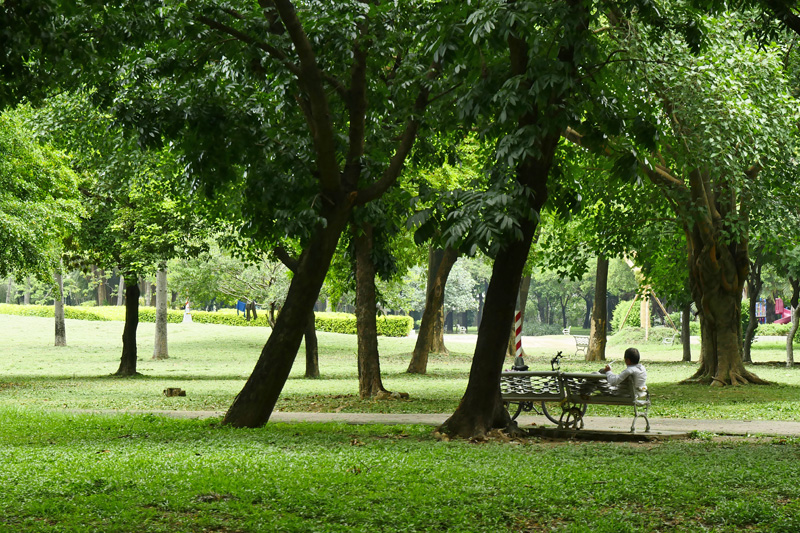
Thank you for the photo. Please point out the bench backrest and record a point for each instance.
(539, 386)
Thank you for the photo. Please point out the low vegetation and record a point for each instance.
(62, 469)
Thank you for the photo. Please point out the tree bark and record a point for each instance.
(795, 283)
(599, 323)
(9, 290)
(148, 293)
(26, 297)
(61, 328)
(99, 276)
(430, 337)
(686, 332)
(121, 290)
(754, 285)
(312, 347)
(253, 406)
(369, 368)
(160, 348)
(127, 364)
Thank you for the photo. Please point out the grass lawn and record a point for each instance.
(211, 362)
(61, 471)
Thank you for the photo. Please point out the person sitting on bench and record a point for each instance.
(634, 370)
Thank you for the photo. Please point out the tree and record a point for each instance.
(38, 205)
(728, 165)
(530, 127)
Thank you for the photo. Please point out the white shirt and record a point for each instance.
(636, 372)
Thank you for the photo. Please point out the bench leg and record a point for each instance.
(637, 415)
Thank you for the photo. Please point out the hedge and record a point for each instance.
(388, 326)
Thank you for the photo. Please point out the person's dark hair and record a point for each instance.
(632, 355)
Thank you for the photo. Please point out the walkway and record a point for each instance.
(658, 426)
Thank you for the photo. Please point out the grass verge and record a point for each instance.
(67, 473)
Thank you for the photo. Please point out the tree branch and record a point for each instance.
(310, 79)
(243, 37)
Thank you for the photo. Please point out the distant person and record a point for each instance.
(634, 371)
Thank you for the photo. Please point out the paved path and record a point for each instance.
(659, 426)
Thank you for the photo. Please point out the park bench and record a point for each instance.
(565, 331)
(581, 344)
(460, 328)
(668, 340)
(572, 392)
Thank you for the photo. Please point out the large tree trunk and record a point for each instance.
(160, 349)
(61, 328)
(253, 406)
(597, 331)
(369, 368)
(795, 320)
(481, 407)
(312, 347)
(430, 337)
(686, 332)
(127, 364)
(717, 276)
(9, 290)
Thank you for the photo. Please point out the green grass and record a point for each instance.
(65, 473)
(211, 362)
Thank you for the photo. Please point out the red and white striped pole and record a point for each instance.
(518, 361)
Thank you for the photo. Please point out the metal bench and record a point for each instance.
(565, 331)
(581, 344)
(668, 340)
(571, 392)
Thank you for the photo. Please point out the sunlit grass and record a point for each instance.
(61, 472)
(212, 362)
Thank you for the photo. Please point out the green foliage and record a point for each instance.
(78, 313)
(37, 201)
(619, 312)
(388, 325)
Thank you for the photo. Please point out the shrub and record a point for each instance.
(635, 336)
(388, 325)
(619, 312)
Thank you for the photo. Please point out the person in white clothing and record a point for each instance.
(634, 371)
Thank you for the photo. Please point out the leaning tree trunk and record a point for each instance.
(61, 328)
(481, 407)
(599, 323)
(717, 276)
(160, 349)
(312, 346)
(127, 364)
(686, 332)
(431, 327)
(310, 335)
(253, 406)
(369, 368)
